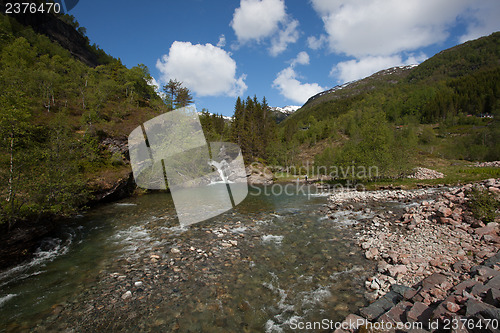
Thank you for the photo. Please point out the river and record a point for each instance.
(273, 260)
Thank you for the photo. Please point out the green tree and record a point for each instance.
(14, 132)
(172, 88)
(183, 98)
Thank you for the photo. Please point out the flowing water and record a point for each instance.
(129, 266)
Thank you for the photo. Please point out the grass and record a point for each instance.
(456, 172)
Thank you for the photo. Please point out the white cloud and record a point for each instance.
(155, 84)
(290, 87)
(301, 59)
(157, 87)
(287, 36)
(258, 20)
(483, 18)
(316, 43)
(385, 27)
(222, 41)
(357, 69)
(206, 70)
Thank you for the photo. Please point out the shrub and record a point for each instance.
(483, 204)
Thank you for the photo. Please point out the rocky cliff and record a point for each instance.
(58, 31)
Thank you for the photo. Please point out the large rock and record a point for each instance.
(377, 308)
(490, 229)
(371, 253)
(420, 313)
(259, 174)
(397, 270)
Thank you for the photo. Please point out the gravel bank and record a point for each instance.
(432, 243)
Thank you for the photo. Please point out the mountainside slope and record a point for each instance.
(60, 32)
(417, 84)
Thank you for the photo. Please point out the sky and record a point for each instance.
(287, 50)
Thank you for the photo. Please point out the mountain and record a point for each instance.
(448, 107)
(422, 89)
(281, 113)
(289, 109)
(390, 75)
(61, 29)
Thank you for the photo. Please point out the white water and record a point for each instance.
(272, 239)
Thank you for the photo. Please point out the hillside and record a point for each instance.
(448, 107)
(66, 111)
(61, 29)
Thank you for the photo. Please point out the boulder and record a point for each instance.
(397, 270)
(372, 253)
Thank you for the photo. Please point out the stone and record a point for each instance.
(377, 308)
(490, 182)
(494, 260)
(464, 285)
(138, 284)
(419, 312)
(175, 250)
(485, 271)
(478, 290)
(452, 307)
(401, 289)
(375, 284)
(474, 307)
(396, 314)
(397, 270)
(127, 295)
(445, 211)
(409, 294)
(461, 266)
(476, 223)
(491, 313)
(353, 322)
(492, 297)
(382, 266)
(371, 253)
(491, 239)
(494, 283)
(433, 280)
(489, 229)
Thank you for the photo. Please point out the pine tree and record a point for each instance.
(172, 88)
(183, 98)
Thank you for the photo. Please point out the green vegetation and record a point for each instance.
(483, 205)
(55, 112)
(446, 108)
(253, 128)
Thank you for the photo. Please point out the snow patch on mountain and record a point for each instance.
(289, 109)
(211, 114)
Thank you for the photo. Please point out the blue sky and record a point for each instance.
(284, 50)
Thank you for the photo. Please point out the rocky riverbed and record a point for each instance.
(432, 239)
(252, 269)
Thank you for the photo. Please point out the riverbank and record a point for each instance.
(20, 243)
(431, 242)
